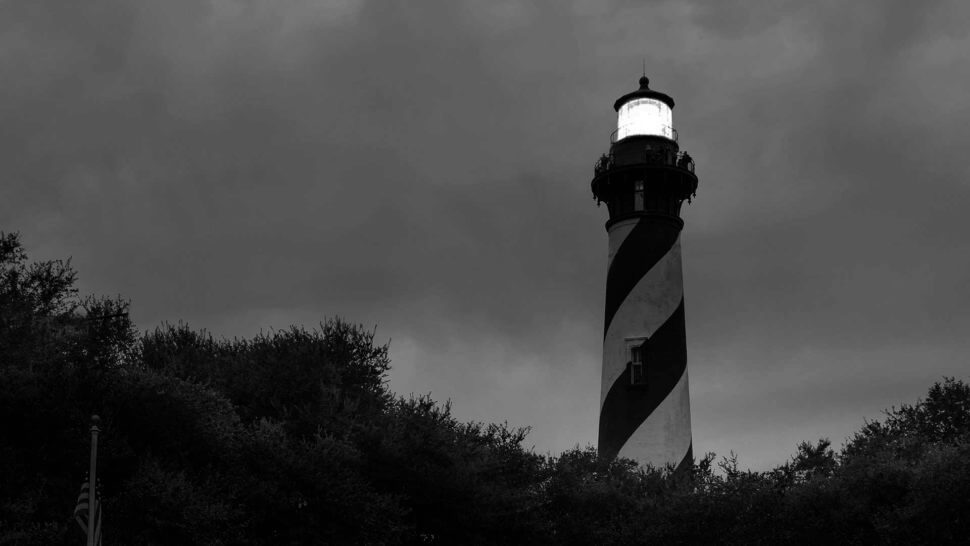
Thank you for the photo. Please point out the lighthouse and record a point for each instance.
(644, 179)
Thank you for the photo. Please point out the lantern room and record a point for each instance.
(644, 112)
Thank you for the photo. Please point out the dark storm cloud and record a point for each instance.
(425, 166)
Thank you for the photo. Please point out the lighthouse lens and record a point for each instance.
(644, 117)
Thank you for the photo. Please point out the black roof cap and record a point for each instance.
(643, 93)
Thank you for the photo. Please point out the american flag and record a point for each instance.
(81, 510)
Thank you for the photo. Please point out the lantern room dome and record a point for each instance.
(644, 92)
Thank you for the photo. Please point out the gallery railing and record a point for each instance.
(631, 130)
(681, 160)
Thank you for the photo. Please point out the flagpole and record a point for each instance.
(92, 476)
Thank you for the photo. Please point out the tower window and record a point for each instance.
(638, 375)
(638, 195)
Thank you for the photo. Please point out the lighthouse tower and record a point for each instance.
(644, 179)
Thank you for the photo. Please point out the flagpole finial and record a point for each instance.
(95, 421)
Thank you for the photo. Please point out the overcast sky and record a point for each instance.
(424, 167)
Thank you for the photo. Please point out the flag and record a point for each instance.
(81, 511)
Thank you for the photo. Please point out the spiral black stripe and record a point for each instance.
(646, 244)
(625, 408)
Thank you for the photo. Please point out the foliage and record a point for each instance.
(292, 437)
(307, 379)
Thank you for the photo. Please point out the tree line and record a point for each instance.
(293, 437)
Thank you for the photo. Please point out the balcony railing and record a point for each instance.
(628, 130)
(681, 160)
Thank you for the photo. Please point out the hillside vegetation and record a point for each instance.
(292, 437)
